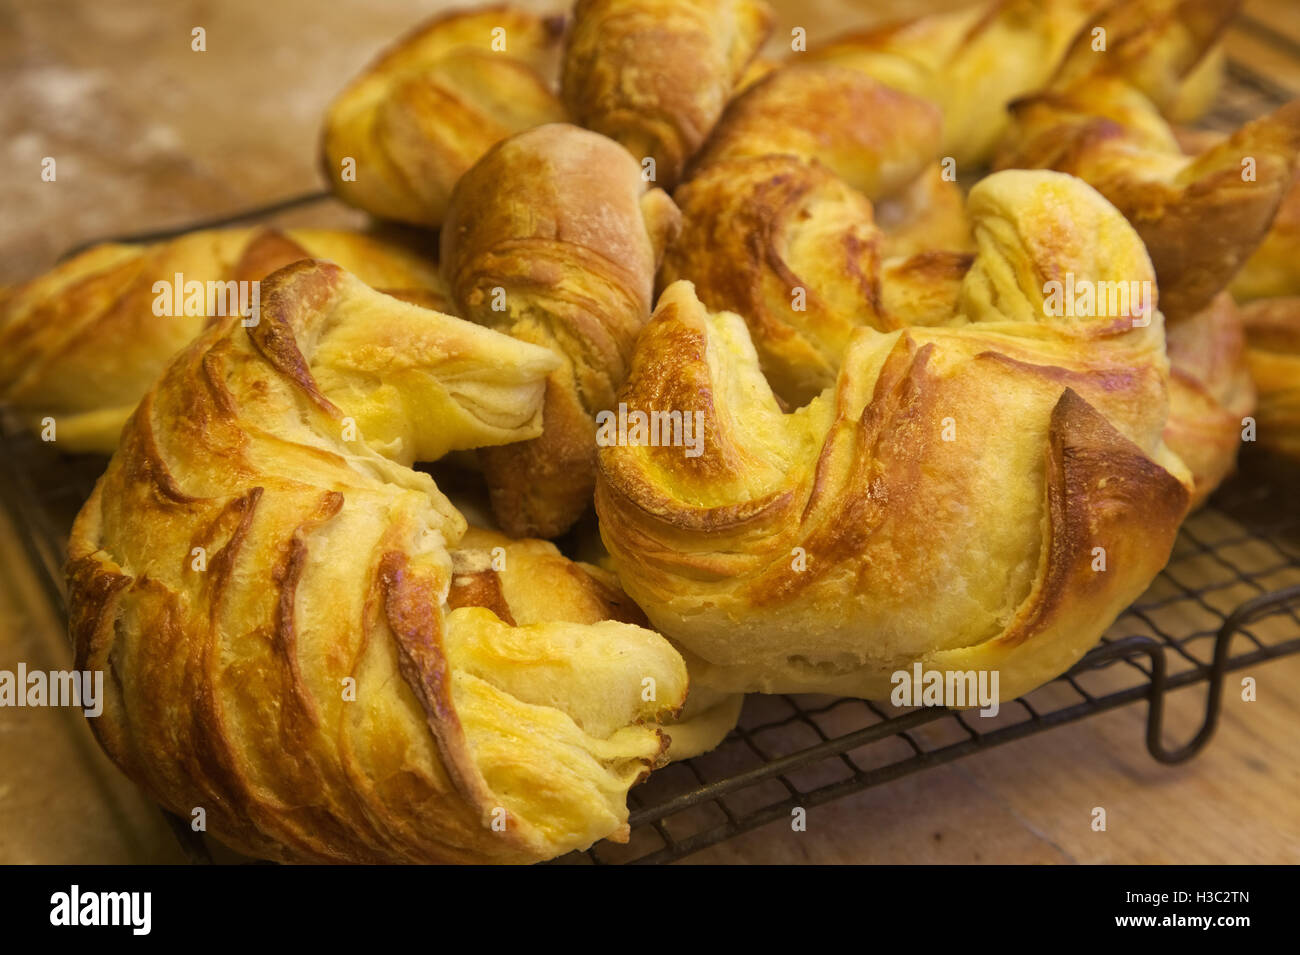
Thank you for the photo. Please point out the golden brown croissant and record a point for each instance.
(972, 62)
(399, 136)
(303, 640)
(82, 343)
(554, 238)
(1210, 393)
(1201, 217)
(654, 75)
(988, 495)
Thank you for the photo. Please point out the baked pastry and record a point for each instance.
(83, 342)
(779, 226)
(971, 62)
(554, 238)
(927, 215)
(1269, 288)
(1273, 352)
(985, 495)
(1100, 119)
(1201, 216)
(796, 251)
(792, 248)
(1162, 48)
(303, 639)
(876, 139)
(537, 585)
(654, 75)
(1273, 271)
(399, 136)
(1210, 393)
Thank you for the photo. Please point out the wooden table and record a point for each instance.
(148, 133)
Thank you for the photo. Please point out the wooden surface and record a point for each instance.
(149, 134)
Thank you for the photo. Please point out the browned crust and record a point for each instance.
(573, 244)
(299, 290)
(706, 545)
(873, 137)
(410, 607)
(1098, 482)
(91, 319)
(654, 75)
(412, 132)
(479, 589)
(742, 218)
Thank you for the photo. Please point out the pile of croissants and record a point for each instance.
(838, 267)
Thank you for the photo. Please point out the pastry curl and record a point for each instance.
(944, 504)
(927, 215)
(1161, 48)
(397, 139)
(1201, 217)
(778, 226)
(302, 638)
(83, 342)
(553, 238)
(654, 75)
(796, 251)
(791, 247)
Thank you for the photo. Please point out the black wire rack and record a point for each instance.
(1227, 601)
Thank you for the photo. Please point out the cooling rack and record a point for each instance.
(1227, 601)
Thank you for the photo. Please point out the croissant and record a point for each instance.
(654, 75)
(397, 139)
(1100, 120)
(82, 343)
(972, 62)
(305, 642)
(554, 238)
(985, 495)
